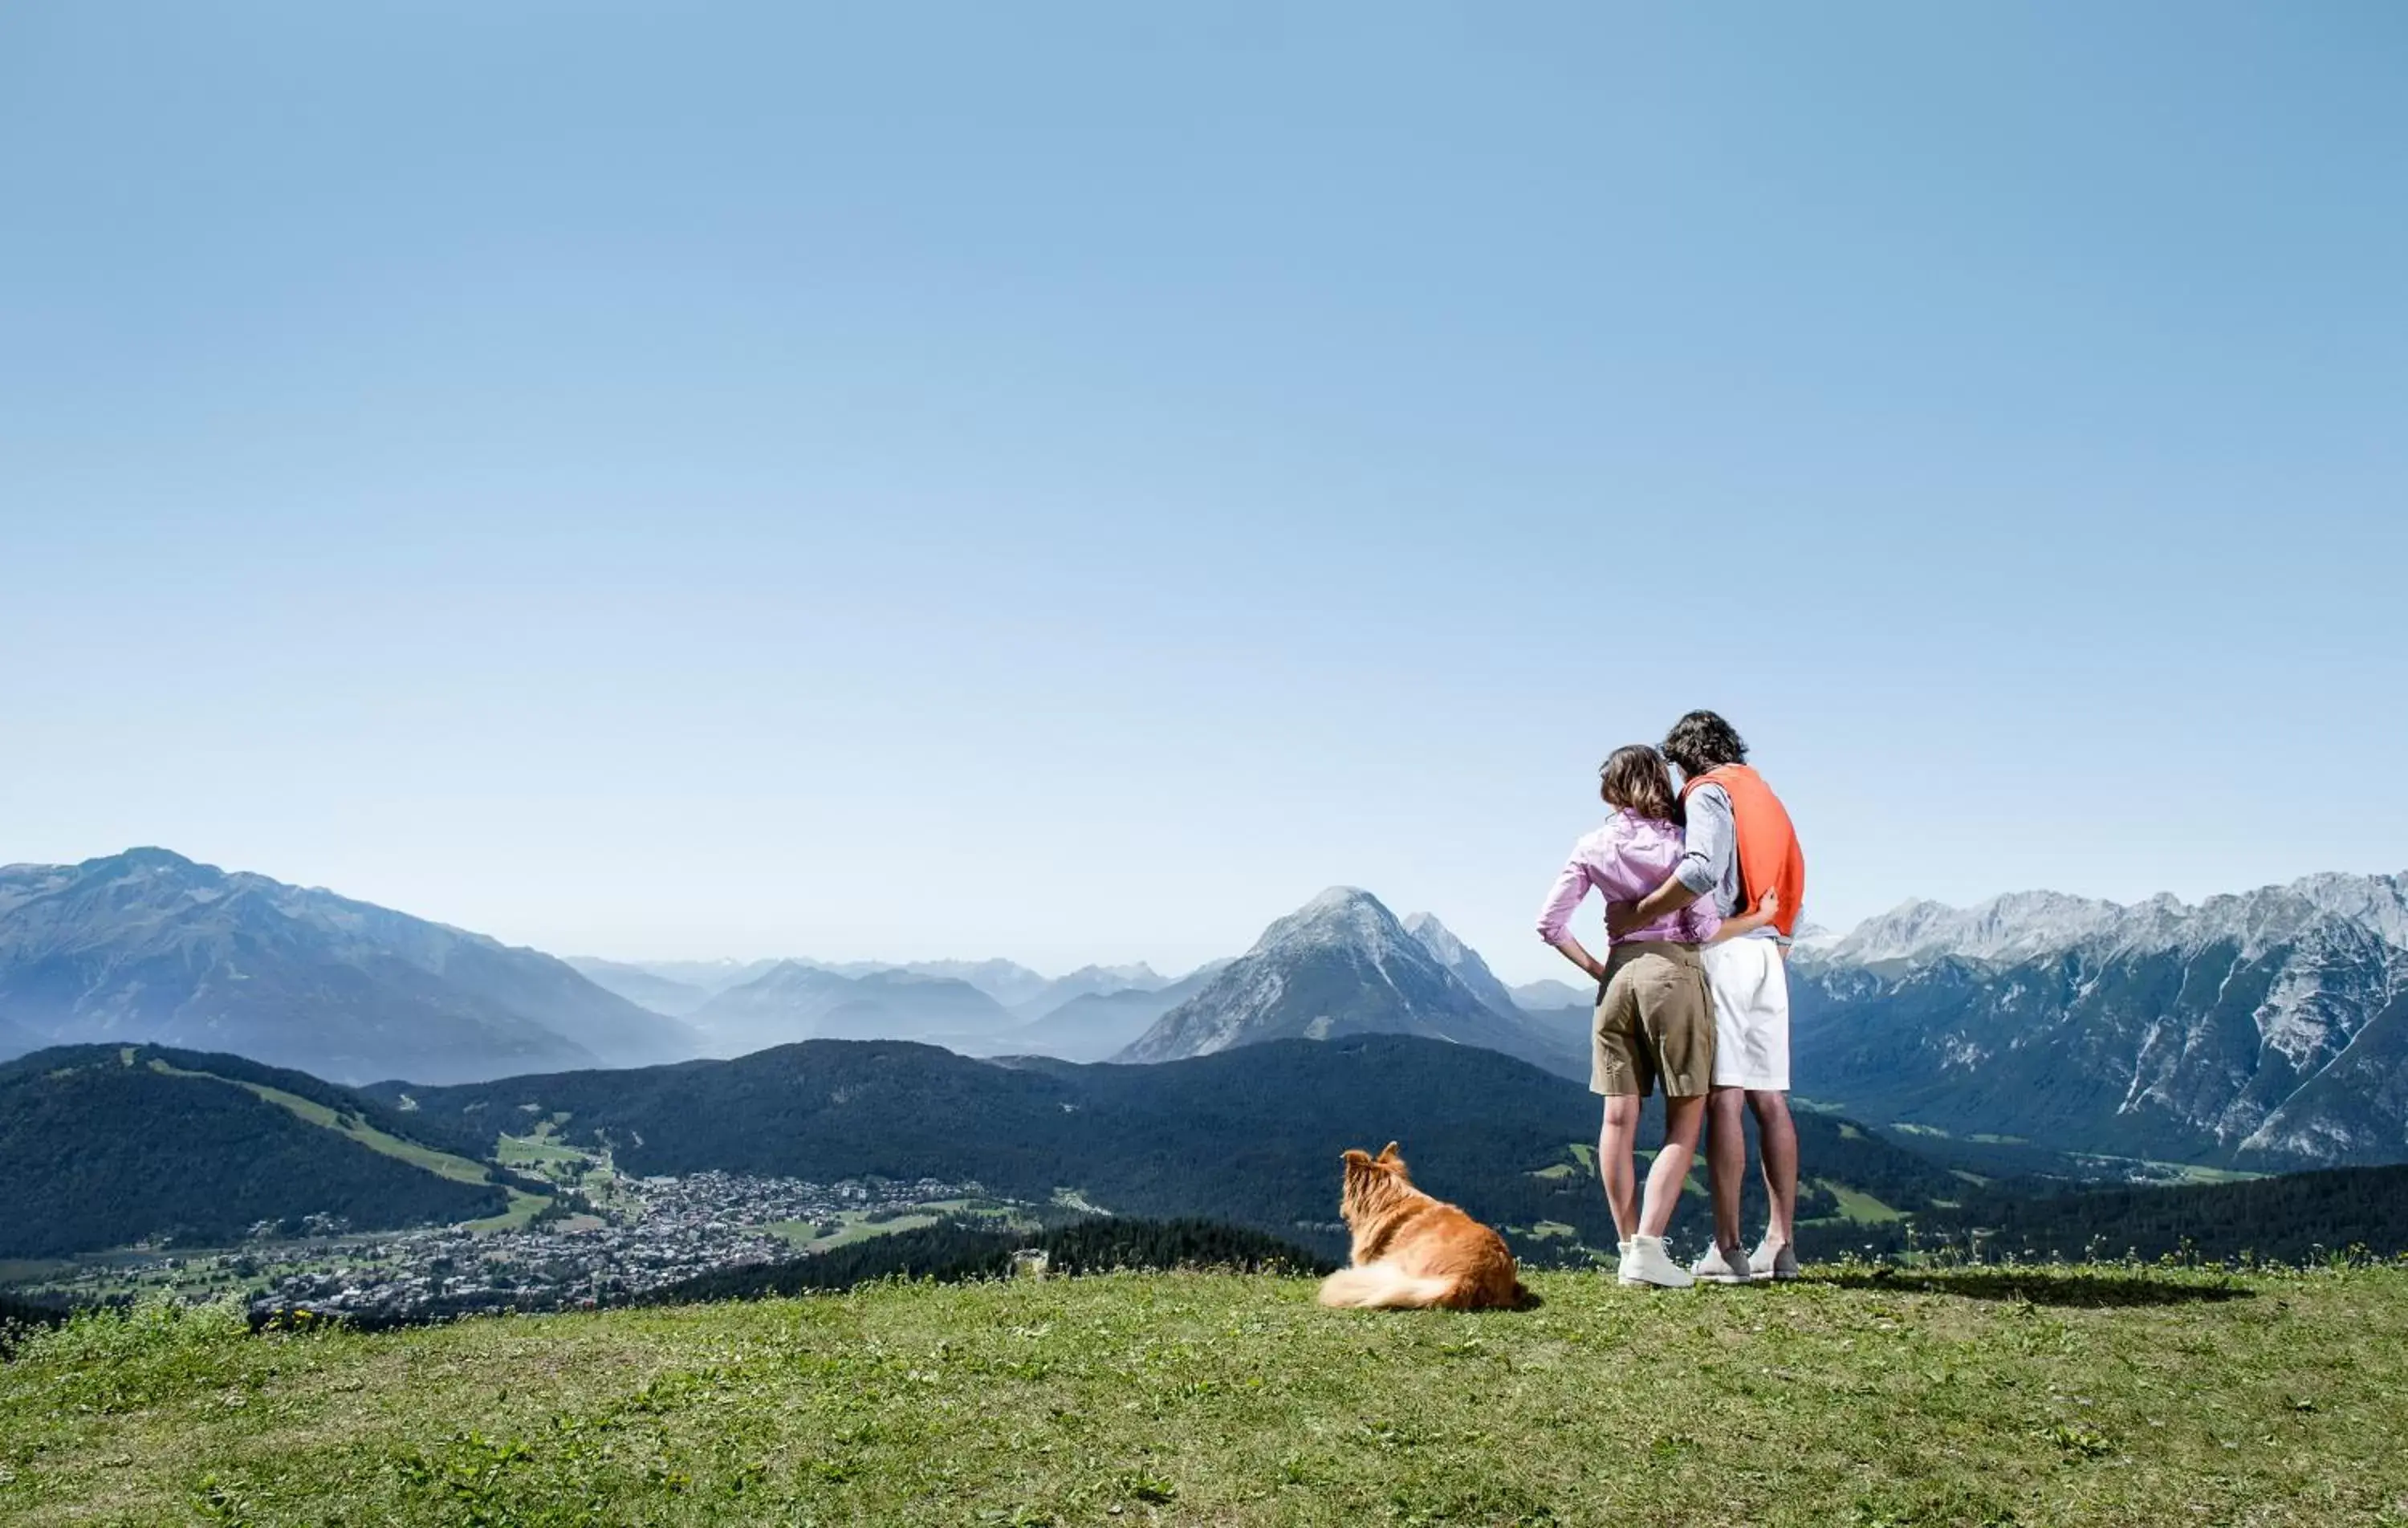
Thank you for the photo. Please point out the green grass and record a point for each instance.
(523, 1206)
(2192, 1172)
(2071, 1397)
(858, 1227)
(804, 1234)
(32, 1270)
(538, 1151)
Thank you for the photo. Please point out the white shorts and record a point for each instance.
(1749, 983)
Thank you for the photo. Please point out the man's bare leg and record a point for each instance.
(1777, 1142)
(1726, 1161)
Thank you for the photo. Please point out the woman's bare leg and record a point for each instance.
(1681, 1118)
(1615, 1141)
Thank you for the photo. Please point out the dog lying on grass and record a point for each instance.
(1412, 1250)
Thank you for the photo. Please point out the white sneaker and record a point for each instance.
(1771, 1260)
(1720, 1267)
(1649, 1263)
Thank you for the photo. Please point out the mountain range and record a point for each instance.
(147, 947)
(2266, 1030)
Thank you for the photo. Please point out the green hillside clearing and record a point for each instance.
(524, 1206)
(1972, 1397)
(1861, 1208)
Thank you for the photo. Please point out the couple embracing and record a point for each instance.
(1703, 890)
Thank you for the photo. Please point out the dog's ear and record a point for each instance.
(1358, 1159)
(1388, 1152)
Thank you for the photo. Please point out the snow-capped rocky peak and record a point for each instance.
(2009, 927)
(1436, 936)
(1340, 915)
(1340, 964)
(1461, 960)
(2023, 924)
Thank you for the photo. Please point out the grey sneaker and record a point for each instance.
(1720, 1267)
(1772, 1259)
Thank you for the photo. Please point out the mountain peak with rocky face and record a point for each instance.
(1339, 964)
(1461, 961)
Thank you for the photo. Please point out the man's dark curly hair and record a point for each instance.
(1701, 741)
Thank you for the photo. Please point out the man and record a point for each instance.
(1740, 848)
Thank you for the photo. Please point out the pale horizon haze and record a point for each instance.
(1068, 484)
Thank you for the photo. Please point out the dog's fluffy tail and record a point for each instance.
(1383, 1284)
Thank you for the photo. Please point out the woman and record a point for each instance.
(1654, 1018)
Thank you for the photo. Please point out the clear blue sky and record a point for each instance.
(1071, 482)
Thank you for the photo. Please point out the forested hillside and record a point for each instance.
(2297, 1217)
(106, 1146)
(1251, 1136)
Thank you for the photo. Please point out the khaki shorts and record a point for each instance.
(1655, 1019)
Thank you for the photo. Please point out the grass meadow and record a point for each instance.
(1975, 1396)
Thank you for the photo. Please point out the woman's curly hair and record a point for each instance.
(1702, 740)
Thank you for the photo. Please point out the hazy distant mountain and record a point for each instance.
(1461, 960)
(147, 947)
(1095, 1025)
(1342, 964)
(795, 1001)
(643, 986)
(713, 976)
(2268, 1029)
(1009, 983)
(1548, 995)
(1090, 981)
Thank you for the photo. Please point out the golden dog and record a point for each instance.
(1412, 1250)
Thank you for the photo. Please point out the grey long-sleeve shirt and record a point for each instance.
(1709, 863)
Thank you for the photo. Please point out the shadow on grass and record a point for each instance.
(2039, 1288)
